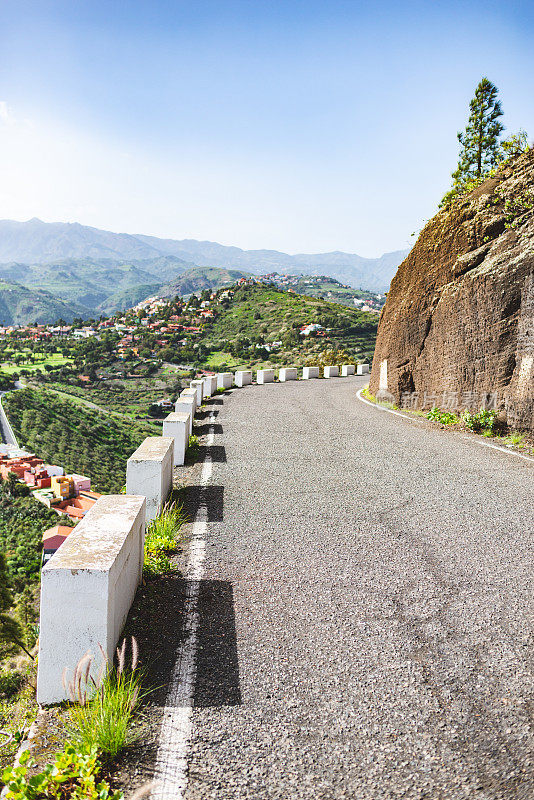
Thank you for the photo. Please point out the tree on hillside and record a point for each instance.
(6, 598)
(480, 140)
(10, 629)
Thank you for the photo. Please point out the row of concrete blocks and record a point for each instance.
(145, 470)
(291, 373)
(88, 586)
(225, 380)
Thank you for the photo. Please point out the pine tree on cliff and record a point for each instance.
(480, 140)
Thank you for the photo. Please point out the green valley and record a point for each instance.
(87, 441)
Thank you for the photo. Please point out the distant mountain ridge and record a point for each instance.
(37, 242)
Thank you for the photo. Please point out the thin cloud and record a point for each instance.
(6, 115)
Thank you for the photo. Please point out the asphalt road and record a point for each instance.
(366, 615)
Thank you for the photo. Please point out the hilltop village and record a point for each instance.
(250, 322)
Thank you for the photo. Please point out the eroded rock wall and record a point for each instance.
(458, 324)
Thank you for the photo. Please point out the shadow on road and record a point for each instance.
(214, 452)
(204, 430)
(217, 682)
(206, 414)
(210, 498)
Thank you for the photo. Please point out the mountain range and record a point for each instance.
(92, 271)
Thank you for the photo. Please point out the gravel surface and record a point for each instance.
(366, 618)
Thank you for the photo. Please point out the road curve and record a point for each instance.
(366, 613)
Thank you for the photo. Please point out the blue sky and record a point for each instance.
(301, 126)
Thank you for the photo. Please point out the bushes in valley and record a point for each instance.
(78, 438)
(128, 396)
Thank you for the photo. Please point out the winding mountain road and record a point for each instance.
(365, 622)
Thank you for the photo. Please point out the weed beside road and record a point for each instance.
(484, 422)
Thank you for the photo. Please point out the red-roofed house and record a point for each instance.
(54, 538)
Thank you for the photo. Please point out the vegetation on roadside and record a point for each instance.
(74, 774)
(366, 392)
(380, 401)
(104, 707)
(443, 417)
(161, 539)
(98, 727)
(483, 421)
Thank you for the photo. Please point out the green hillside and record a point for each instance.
(259, 315)
(124, 299)
(91, 283)
(200, 278)
(87, 288)
(329, 289)
(19, 305)
(78, 438)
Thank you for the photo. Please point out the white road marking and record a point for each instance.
(171, 763)
(468, 438)
(502, 449)
(383, 408)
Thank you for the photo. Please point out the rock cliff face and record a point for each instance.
(458, 324)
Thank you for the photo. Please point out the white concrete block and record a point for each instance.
(331, 372)
(186, 405)
(310, 372)
(348, 369)
(225, 380)
(210, 385)
(87, 588)
(243, 378)
(149, 472)
(176, 426)
(191, 393)
(363, 369)
(198, 385)
(265, 376)
(287, 374)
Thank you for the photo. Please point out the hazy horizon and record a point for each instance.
(212, 241)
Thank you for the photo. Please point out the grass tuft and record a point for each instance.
(161, 539)
(106, 706)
